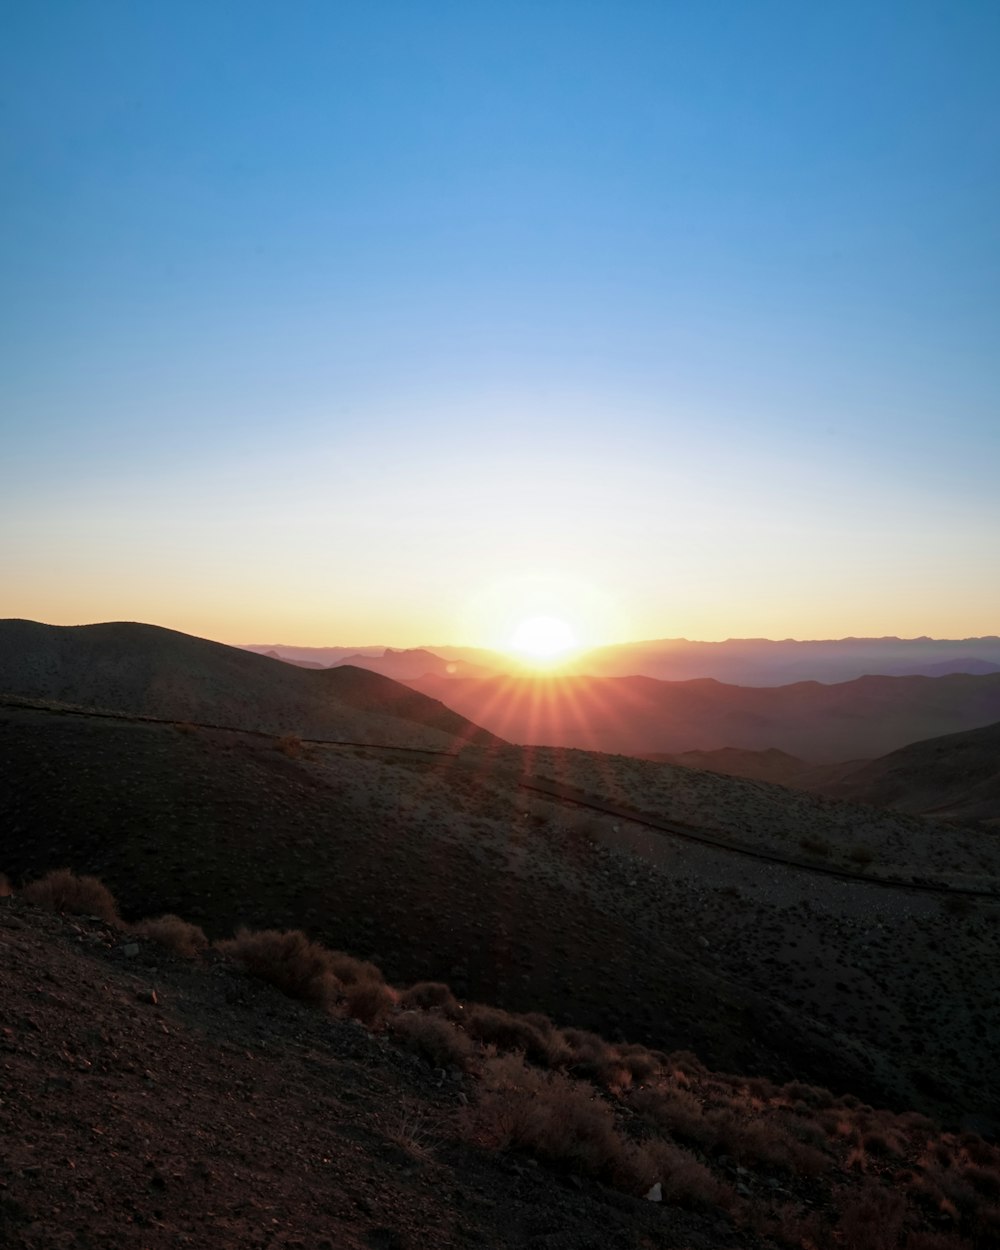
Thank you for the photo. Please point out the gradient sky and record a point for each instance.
(392, 322)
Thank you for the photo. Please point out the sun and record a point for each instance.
(543, 639)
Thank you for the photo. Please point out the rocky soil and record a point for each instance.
(145, 1104)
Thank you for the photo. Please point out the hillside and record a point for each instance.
(148, 671)
(955, 778)
(444, 868)
(767, 765)
(640, 716)
(167, 1093)
(224, 1114)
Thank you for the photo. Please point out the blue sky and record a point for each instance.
(335, 322)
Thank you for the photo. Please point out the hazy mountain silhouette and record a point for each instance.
(769, 662)
(150, 671)
(860, 719)
(273, 655)
(411, 664)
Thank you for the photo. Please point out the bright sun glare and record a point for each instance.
(543, 638)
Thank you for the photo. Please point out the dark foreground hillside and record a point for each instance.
(441, 868)
(226, 1116)
(158, 1093)
(145, 670)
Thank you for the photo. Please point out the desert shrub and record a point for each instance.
(812, 1095)
(805, 1132)
(978, 1150)
(753, 1141)
(553, 1118)
(439, 1041)
(593, 1059)
(675, 1111)
(285, 959)
(685, 1181)
(63, 890)
(641, 1065)
(861, 855)
(816, 846)
(369, 1001)
(290, 745)
(539, 1021)
(510, 1032)
(688, 1063)
(871, 1219)
(985, 1181)
(5, 890)
(174, 933)
(427, 994)
(882, 1145)
(760, 1087)
(349, 970)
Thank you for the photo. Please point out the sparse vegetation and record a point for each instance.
(64, 891)
(510, 1032)
(349, 970)
(439, 1041)
(554, 1119)
(288, 960)
(175, 934)
(369, 1001)
(290, 745)
(428, 994)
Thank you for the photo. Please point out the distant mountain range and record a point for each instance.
(822, 724)
(769, 662)
(399, 665)
(737, 661)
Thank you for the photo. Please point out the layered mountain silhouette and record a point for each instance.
(149, 671)
(859, 719)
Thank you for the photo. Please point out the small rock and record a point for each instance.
(148, 996)
(655, 1194)
(130, 950)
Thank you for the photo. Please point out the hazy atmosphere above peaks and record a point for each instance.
(399, 323)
